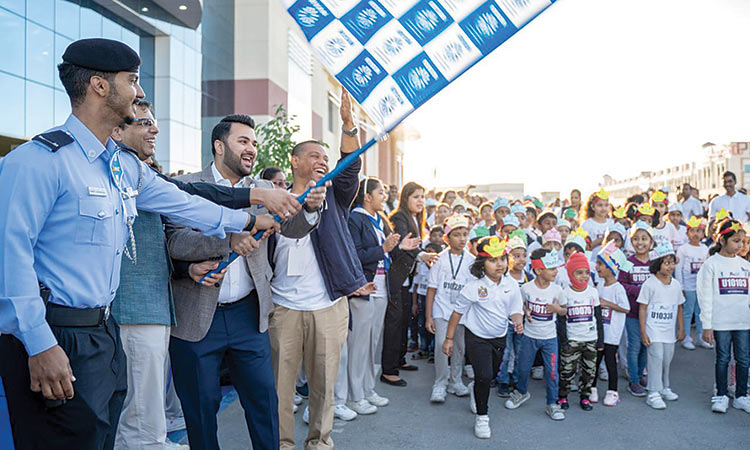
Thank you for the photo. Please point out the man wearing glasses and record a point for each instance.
(144, 306)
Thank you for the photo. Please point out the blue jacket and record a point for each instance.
(334, 248)
(369, 250)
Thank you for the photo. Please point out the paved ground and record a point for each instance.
(411, 422)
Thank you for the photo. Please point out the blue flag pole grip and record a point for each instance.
(343, 165)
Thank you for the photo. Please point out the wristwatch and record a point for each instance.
(351, 133)
(250, 224)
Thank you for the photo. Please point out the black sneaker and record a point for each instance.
(503, 390)
(586, 404)
(303, 391)
(563, 402)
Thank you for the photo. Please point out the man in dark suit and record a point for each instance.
(229, 321)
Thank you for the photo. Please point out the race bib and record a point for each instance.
(663, 314)
(580, 313)
(695, 266)
(539, 311)
(640, 274)
(606, 315)
(733, 285)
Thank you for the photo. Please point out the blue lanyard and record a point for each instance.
(379, 225)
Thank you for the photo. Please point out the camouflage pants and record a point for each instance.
(571, 355)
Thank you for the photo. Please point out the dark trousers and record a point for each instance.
(233, 335)
(395, 328)
(87, 421)
(428, 339)
(485, 356)
(610, 360)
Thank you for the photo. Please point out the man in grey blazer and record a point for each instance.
(229, 320)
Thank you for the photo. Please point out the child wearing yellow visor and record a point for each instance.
(690, 259)
(488, 306)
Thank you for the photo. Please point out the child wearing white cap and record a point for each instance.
(660, 309)
(447, 277)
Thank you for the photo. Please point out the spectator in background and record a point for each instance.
(691, 206)
(392, 202)
(732, 201)
(275, 176)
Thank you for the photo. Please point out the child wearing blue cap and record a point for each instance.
(614, 301)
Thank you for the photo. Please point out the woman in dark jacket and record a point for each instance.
(373, 240)
(408, 221)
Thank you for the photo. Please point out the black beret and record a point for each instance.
(104, 55)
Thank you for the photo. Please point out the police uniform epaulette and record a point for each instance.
(54, 140)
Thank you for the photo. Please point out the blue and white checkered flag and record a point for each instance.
(394, 55)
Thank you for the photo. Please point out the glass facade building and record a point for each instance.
(35, 34)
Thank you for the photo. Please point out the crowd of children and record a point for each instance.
(517, 291)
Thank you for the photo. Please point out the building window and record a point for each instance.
(331, 115)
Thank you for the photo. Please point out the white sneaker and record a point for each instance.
(176, 424)
(294, 408)
(594, 397)
(719, 403)
(555, 412)
(438, 395)
(655, 401)
(537, 373)
(297, 399)
(472, 399)
(742, 403)
(612, 398)
(306, 415)
(377, 400)
(687, 344)
(344, 413)
(516, 399)
(705, 344)
(668, 395)
(469, 371)
(482, 427)
(459, 389)
(362, 407)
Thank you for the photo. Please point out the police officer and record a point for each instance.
(67, 202)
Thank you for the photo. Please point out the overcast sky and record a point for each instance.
(592, 87)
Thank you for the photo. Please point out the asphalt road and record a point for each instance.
(412, 422)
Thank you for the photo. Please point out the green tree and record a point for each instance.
(275, 142)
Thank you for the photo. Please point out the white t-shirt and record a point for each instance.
(596, 230)
(692, 207)
(487, 307)
(690, 260)
(542, 324)
(448, 276)
(613, 321)
(663, 304)
(666, 233)
(680, 237)
(297, 282)
(420, 279)
(580, 318)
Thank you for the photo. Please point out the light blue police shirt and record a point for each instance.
(63, 222)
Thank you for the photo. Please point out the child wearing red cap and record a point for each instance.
(584, 334)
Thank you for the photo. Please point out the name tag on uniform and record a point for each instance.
(97, 191)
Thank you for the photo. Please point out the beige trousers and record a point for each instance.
(315, 337)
